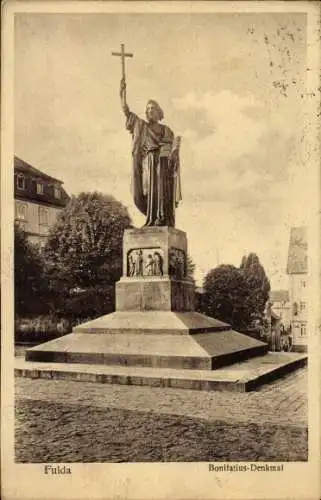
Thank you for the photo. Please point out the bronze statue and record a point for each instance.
(156, 185)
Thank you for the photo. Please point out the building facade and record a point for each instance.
(281, 306)
(297, 270)
(38, 200)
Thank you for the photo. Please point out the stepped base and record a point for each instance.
(152, 322)
(200, 351)
(155, 339)
(240, 377)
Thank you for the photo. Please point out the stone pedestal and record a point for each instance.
(154, 271)
(154, 325)
(154, 295)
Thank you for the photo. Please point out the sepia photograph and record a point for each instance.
(162, 169)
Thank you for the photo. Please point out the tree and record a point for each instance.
(84, 252)
(225, 289)
(30, 285)
(237, 295)
(257, 284)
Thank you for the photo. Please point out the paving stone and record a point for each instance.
(262, 405)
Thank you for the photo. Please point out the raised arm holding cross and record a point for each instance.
(122, 54)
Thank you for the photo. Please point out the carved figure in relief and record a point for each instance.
(180, 264)
(131, 264)
(158, 264)
(150, 266)
(172, 263)
(139, 266)
(177, 263)
(145, 265)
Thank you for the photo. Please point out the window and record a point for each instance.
(21, 211)
(21, 181)
(302, 306)
(43, 216)
(39, 187)
(303, 330)
(303, 283)
(57, 193)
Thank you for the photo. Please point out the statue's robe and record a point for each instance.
(156, 185)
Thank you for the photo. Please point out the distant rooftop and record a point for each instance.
(279, 296)
(23, 166)
(29, 191)
(298, 251)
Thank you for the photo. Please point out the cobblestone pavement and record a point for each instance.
(67, 421)
(283, 402)
(55, 432)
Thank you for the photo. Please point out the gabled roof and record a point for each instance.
(24, 167)
(298, 251)
(29, 193)
(279, 296)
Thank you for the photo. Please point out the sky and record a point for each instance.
(232, 85)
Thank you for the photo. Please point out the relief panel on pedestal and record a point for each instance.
(145, 262)
(177, 263)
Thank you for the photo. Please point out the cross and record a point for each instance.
(122, 54)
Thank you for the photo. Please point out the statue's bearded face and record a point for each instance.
(154, 112)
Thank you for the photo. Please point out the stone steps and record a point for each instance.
(153, 322)
(240, 377)
(203, 351)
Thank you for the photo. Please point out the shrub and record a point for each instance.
(88, 303)
(30, 284)
(40, 329)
